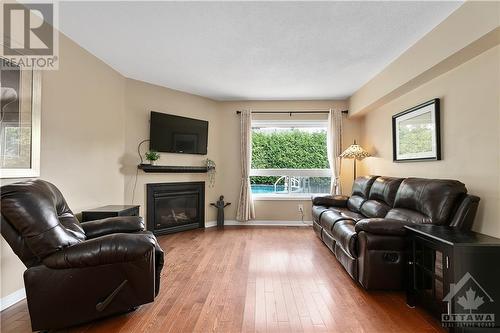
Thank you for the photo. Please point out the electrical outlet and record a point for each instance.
(301, 208)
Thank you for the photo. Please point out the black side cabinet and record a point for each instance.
(456, 276)
(109, 211)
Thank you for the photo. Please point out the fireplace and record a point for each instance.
(174, 207)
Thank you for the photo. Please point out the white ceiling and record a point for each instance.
(251, 50)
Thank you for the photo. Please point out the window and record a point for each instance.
(19, 121)
(289, 158)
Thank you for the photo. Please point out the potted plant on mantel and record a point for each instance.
(152, 156)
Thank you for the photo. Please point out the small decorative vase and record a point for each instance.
(151, 162)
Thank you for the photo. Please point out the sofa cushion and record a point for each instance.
(330, 200)
(329, 218)
(328, 240)
(384, 189)
(317, 228)
(408, 215)
(354, 203)
(347, 213)
(373, 208)
(345, 235)
(360, 192)
(381, 197)
(350, 264)
(432, 199)
(382, 226)
(317, 211)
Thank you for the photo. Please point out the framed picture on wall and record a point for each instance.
(416, 134)
(20, 91)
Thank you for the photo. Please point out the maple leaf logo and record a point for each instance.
(470, 301)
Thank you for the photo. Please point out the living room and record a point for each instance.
(348, 72)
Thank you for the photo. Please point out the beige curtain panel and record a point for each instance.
(246, 210)
(334, 146)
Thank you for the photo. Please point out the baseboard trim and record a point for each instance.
(269, 223)
(11, 299)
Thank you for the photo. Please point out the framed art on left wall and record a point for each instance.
(20, 105)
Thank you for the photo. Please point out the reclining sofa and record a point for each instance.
(366, 230)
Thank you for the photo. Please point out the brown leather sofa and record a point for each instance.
(77, 272)
(366, 230)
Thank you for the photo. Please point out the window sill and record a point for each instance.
(283, 197)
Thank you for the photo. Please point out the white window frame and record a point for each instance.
(288, 172)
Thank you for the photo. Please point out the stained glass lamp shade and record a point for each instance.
(356, 152)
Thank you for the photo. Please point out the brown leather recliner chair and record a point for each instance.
(366, 230)
(77, 272)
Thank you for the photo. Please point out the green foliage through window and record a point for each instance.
(294, 149)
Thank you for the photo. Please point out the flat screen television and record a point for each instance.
(175, 134)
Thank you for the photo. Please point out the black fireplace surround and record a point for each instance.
(174, 207)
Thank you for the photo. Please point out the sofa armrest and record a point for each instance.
(382, 226)
(112, 225)
(110, 249)
(330, 200)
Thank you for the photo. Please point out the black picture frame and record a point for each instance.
(433, 107)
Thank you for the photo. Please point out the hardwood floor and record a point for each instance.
(254, 279)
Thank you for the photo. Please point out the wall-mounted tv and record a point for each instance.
(175, 134)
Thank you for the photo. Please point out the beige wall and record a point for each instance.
(229, 166)
(470, 109)
(82, 140)
(140, 99)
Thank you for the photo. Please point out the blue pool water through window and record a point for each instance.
(259, 188)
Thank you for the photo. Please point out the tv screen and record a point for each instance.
(175, 134)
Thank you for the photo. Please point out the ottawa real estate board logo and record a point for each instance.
(29, 35)
(469, 305)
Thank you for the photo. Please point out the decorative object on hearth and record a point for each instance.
(152, 156)
(220, 205)
(211, 172)
(355, 152)
(416, 134)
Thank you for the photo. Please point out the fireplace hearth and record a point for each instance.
(174, 207)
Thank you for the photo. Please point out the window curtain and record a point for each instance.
(334, 146)
(246, 210)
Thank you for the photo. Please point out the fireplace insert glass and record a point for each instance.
(176, 209)
(173, 207)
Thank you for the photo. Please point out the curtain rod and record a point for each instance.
(293, 112)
